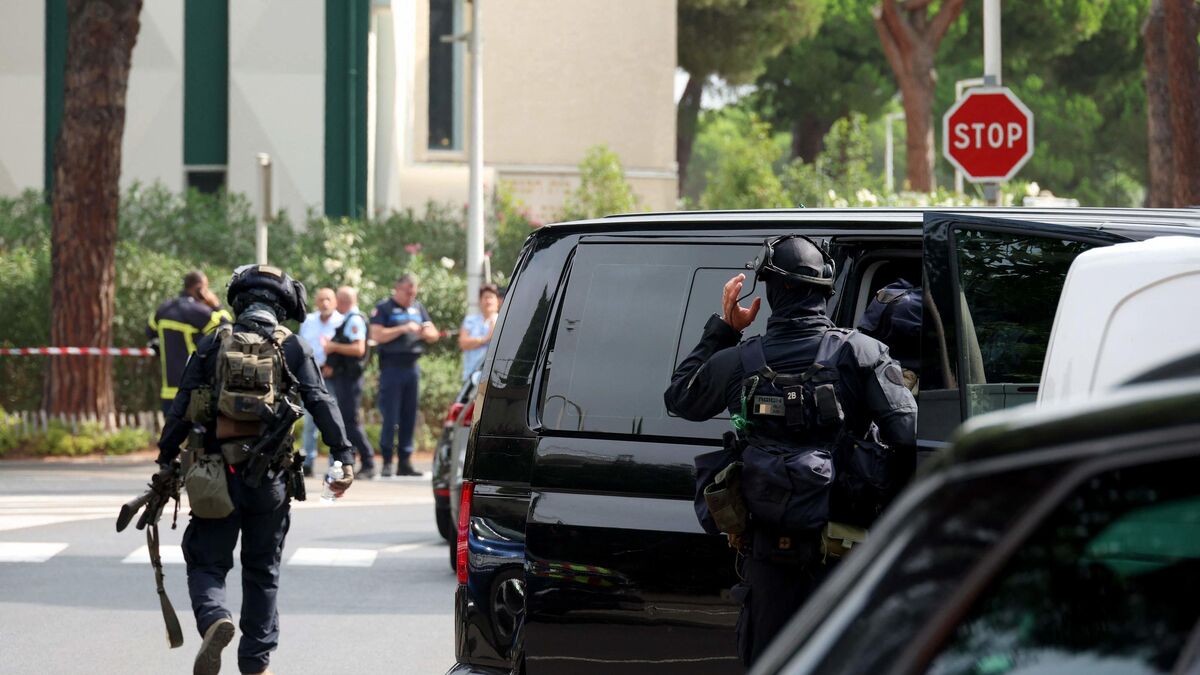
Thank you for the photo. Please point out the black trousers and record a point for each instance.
(261, 516)
(771, 594)
(348, 392)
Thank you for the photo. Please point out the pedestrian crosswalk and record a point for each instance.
(305, 556)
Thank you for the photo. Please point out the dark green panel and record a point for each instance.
(347, 23)
(56, 64)
(206, 82)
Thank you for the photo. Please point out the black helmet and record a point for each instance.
(267, 284)
(794, 258)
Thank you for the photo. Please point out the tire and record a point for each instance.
(445, 524)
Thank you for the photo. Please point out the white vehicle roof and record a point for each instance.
(1124, 309)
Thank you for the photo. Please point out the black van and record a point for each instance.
(578, 549)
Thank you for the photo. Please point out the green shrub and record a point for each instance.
(602, 187)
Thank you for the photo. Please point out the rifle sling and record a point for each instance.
(174, 631)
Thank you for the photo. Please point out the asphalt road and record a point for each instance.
(366, 585)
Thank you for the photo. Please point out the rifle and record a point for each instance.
(163, 487)
(274, 446)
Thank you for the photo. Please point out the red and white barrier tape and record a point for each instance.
(78, 351)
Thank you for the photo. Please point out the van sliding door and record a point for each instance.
(992, 287)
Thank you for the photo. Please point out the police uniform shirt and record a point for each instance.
(179, 323)
(407, 348)
(355, 326)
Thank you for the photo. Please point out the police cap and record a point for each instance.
(266, 280)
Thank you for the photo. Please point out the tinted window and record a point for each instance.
(1009, 285)
(1109, 583)
(444, 75)
(629, 315)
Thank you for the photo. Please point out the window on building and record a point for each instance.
(209, 181)
(445, 75)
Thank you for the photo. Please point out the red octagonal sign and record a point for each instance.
(988, 134)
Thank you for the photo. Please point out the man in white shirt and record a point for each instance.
(322, 323)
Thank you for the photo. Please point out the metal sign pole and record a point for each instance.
(991, 71)
(264, 217)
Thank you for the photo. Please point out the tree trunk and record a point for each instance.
(917, 95)
(910, 37)
(686, 117)
(808, 137)
(87, 169)
(1183, 72)
(1159, 192)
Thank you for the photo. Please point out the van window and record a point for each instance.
(1109, 582)
(630, 313)
(1008, 289)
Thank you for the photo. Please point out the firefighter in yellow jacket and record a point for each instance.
(178, 324)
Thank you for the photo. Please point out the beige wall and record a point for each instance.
(560, 76)
(152, 145)
(22, 89)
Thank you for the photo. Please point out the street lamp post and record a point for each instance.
(991, 71)
(474, 41)
(889, 151)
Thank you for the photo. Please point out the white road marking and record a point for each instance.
(29, 552)
(24, 511)
(171, 555)
(403, 548)
(333, 557)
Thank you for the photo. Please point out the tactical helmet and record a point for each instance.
(268, 284)
(794, 258)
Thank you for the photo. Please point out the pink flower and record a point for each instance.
(413, 249)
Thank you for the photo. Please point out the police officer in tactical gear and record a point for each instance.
(844, 385)
(261, 297)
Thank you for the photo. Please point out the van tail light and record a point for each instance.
(452, 414)
(464, 520)
(469, 415)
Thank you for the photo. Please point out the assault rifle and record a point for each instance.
(273, 448)
(164, 486)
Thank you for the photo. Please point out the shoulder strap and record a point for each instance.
(754, 361)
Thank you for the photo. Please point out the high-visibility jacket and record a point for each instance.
(177, 324)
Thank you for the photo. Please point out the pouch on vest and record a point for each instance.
(207, 490)
(785, 485)
(725, 502)
(248, 374)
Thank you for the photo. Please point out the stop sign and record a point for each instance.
(988, 134)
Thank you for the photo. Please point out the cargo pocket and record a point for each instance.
(811, 474)
(765, 482)
(207, 489)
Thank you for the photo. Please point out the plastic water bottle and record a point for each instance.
(335, 473)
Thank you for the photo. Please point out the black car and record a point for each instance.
(1045, 541)
(578, 479)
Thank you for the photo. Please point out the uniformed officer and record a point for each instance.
(262, 297)
(783, 567)
(177, 325)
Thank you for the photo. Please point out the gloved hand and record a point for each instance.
(339, 487)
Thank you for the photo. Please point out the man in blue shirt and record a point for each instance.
(401, 327)
(322, 323)
(346, 355)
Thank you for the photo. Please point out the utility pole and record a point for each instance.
(264, 216)
(474, 40)
(991, 71)
(889, 152)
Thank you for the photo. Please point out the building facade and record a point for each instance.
(362, 106)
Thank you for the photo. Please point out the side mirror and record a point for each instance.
(476, 377)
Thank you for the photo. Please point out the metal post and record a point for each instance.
(264, 217)
(889, 152)
(475, 197)
(960, 87)
(991, 70)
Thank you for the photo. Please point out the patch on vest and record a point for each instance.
(894, 374)
(769, 405)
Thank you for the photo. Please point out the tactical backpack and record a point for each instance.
(788, 482)
(249, 375)
(894, 317)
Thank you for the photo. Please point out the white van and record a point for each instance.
(1124, 310)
